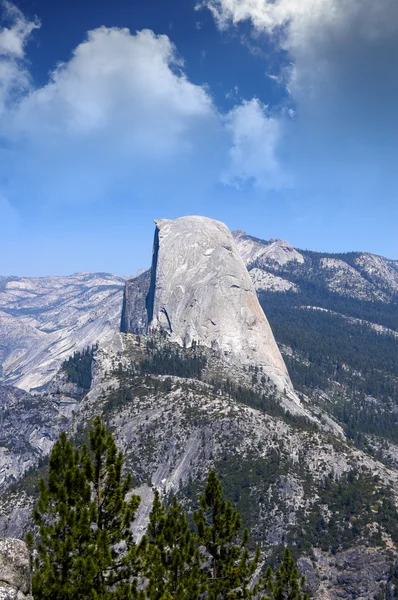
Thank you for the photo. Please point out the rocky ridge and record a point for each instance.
(284, 473)
(29, 426)
(275, 251)
(45, 319)
(362, 276)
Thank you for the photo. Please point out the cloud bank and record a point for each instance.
(340, 74)
(121, 119)
(118, 111)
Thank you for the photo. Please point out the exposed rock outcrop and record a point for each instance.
(29, 426)
(275, 252)
(43, 320)
(201, 292)
(270, 282)
(15, 575)
(134, 313)
(358, 275)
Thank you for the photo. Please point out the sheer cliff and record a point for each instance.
(200, 293)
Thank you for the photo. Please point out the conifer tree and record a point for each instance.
(286, 583)
(85, 547)
(117, 557)
(63, 568)
(227, 563)
(172, 554)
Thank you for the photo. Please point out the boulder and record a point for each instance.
(15, 573)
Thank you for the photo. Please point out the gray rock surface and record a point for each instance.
(172, 435)
(134, 314)
(15, 575)
(201, 292)
(43, 320)
(264, 281)
(276, 252)
(358, 275)
(29, 426)
(359, 573)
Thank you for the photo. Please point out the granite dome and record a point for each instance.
(201, 292)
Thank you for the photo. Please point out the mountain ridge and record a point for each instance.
(320, 476)
(17, 318)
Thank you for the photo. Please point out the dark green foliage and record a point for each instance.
(329, 343)
(62, 568)
(266, 402)
(132, 387)
(171, 360)
(78, 367)
(361, 416)
(285, 583)
(117, 556)
(84, 546)
(354, 503)
(350, 361)
(240, 478)
(227, 564)
(173, 556)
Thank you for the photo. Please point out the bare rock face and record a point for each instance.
(201, 292)
(269, 282)
(43, 320)
(15, 583)
(29, 426)
(274, 252)
(134, 314)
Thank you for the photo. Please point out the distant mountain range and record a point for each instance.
(336, 323)
(43, 320)
(184, 387)
(358, 275)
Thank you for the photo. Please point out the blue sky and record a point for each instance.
(278, 118)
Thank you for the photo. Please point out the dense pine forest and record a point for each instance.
(350, 362)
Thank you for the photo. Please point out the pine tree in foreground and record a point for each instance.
(63, 568)
(172, 554)
(84, 547)
(227, 564)
(117, 557)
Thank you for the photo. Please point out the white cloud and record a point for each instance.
(338, 66)
(297, 21)
(121, 113)
(14, 77)
(318, 35)
(127, 86)
(14, 38)
(256, 136)
(119, 109)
